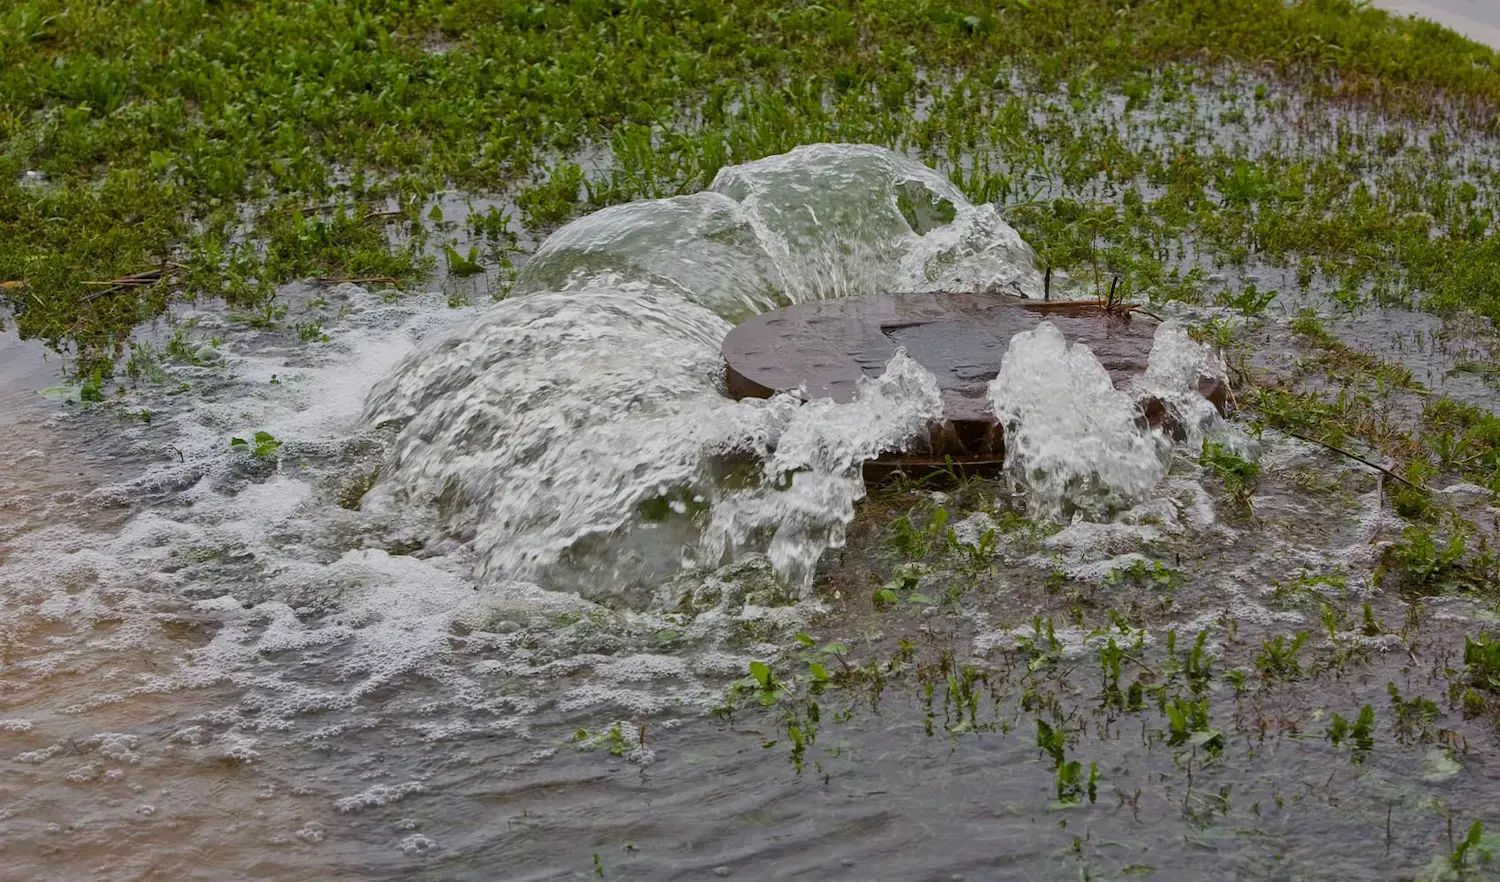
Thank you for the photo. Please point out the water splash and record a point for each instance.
(821, 221)
(812, 479)
(1176, 366)
(1071, 438)
(587, 411)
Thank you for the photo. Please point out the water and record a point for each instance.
(488, 609)
(595, 390)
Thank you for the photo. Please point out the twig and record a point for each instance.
(144, 279)
(385, 214)
(380, 280)
(1356, 457)
(1047, 284)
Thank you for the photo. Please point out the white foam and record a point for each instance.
(1071, 438)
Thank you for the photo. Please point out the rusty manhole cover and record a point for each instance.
(827, 345)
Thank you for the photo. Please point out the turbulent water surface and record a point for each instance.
(469, 609)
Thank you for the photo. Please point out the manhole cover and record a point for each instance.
(827, 345)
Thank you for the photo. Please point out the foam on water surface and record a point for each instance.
(466, 505)
(540, 512)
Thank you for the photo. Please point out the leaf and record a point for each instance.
(762, 674)
(1205, 737)
(58, 393)
(834, 648)
(460, 265)
(819, 672)
(805, 640)
(918, 598)
(1178, 724)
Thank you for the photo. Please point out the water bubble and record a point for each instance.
(379, 795)
(416, 844)
(312, 832)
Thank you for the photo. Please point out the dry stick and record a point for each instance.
(1356, 457)
(146, 279)
(384, 280)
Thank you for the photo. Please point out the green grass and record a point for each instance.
(255, 142)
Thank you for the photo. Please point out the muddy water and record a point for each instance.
(487, 609)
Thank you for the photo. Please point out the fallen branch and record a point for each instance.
(1356, 457)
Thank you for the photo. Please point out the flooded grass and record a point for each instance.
(266, 143)
(1283, 664)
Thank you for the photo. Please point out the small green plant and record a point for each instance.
(1251, 301)
(1187, 723)
(1071, 785)
(901, 591)
(92, 390)
(1415, 717)
(1482, 662)
(1470, 842)
(1144, 573)
(913, 542)
(263, 445)
(612, 740)
(979, 555)
(1361, 733)
(1277, 659)
(311, 332)
(461, 265)
(818, 657)
(1196, 664)
(1240, 476)
(1421, 563)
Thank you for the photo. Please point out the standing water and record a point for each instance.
(372, 641)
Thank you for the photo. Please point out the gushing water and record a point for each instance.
(812, 477)
(1075, 444)
(540, 433)
(493, 535)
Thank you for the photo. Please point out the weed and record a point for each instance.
(1470, 842)
(1421, 563)
(1482, 662)
(262, 445)
(612, 739)
(1071, 785)
(1240, 476)
(1361, 733)
(1277, 659)
(1415, 717)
